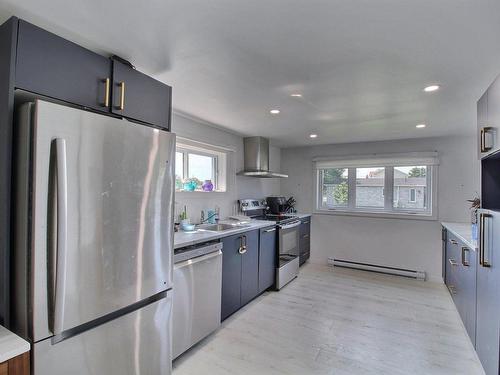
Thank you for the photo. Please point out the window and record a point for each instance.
(334, 184)
(378, 184)
(370, 187)
(199, 168)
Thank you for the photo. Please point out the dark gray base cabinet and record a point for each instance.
(305, 240)
(475, 288)
(267, 258)
(240, 271)
(460, 278)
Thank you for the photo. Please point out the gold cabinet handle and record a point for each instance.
(464, 262)
(484, 130)
(243, 245)
(481, 139)
(482, 223)
(106, 92)
(121, 107)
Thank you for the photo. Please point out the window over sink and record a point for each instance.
(384, 185)
(199, 167)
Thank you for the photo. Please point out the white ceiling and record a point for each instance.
(360, 65)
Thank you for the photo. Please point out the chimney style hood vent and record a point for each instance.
(256, 151)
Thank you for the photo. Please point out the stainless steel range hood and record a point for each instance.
(257, 159)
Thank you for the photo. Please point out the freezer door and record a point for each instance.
(102, 211)
(138, 343)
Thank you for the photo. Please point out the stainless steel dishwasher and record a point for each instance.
(197, 293)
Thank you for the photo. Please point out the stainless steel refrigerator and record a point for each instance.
(93, 242)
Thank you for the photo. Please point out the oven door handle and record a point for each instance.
(290, 225)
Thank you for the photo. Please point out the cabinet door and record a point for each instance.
(467, 284)
(231, 275)
(140, 97)
(267, 258)
(305, 239)
(52, 66)
(488, 294)
(452, 259)
(482, 124)
(490, 137)
(250, 267)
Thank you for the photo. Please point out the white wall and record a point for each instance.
(406, 243)
(238, 186)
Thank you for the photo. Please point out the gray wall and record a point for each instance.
(406, 243)
(238, 186)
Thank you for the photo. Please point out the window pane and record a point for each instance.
(334, 187)
(179, 170)
(200, 168)
(370, 187)
(410, 187)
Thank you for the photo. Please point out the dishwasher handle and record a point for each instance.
(199, 259)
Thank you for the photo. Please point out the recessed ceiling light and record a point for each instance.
(296, 95)
(420, 126)
(313, 135)
(274, 111)
(431, 88)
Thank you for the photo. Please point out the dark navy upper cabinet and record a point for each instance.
(140, 97)
(267, 258)
(250, 267)
(231, 275)
(55, 67)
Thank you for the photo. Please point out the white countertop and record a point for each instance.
(11, 345)
(463, 231)
(183, 239)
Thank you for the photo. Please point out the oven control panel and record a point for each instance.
(252, 204)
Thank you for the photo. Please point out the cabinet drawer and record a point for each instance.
(452, 260)
(52, 66)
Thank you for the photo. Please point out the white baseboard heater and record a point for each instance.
(419, 275)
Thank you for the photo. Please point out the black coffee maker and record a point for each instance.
(280, 205)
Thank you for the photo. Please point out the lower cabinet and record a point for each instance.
(267, 258)
(305, 239)
(240, 271)
(460, 278)
(19, 365)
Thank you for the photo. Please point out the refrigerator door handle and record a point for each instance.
(58, 232)
(483, 261)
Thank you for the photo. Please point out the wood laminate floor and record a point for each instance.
(340, 321)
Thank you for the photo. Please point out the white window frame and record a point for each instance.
(389, 162)
(219, 164)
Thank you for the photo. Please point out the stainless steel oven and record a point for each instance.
(288, 253)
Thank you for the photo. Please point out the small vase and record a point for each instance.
(207, 185)
(189, 186)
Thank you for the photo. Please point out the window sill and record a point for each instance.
(382, 215)
(198, 192)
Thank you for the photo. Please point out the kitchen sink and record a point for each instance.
(219, 227)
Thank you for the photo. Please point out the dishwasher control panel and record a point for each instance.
(195, 251)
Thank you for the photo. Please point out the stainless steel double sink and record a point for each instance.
(220, 227)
